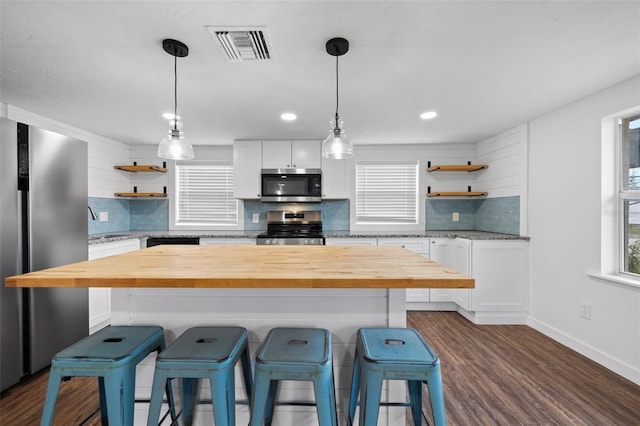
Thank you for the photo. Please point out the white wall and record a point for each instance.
(564, 226)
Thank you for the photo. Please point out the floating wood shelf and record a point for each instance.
(457, 194)
(456, 167)
(140, 194)
(142, 168)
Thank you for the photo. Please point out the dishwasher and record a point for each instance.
(157, 241)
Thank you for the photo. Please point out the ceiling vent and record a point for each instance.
(242, 44)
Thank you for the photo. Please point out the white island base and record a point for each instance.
(342, 311)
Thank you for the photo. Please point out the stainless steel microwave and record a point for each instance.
(291, 185)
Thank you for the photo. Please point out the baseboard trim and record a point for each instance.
(619, 367)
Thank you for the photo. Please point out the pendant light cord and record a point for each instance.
(175, 93)
(337, 91)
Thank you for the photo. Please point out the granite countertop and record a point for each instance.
(472, 235)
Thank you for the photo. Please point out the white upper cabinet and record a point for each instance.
(247, 161)
(291, 155)
(335, 184)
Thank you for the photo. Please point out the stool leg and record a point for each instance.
(415, 398)
(271, 402)
(325, 400)
(172, 403)
(223, 397)
(370, 393)
(355, 387)
(104, 419)
(51, 396)
(120, 395)
(159, 384)
(247, 375)
(261, 387)
(190, 389)
(436, 397)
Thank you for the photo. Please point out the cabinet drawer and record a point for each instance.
(416, 245)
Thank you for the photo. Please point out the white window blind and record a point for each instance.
(204, 195)
(387, 192)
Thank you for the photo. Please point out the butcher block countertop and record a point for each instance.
(247, 266)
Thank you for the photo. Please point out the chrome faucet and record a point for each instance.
(94, 216)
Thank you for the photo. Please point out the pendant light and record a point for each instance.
(337, 145)
(174, 146)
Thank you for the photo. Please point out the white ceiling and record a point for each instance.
(485, 66)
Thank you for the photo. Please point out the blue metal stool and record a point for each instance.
(110, 354)
(204, 353)
(302, 354)
(394, 354)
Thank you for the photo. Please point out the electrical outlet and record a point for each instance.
(256, 218)
(585, 310)
(455, 217)
(104, 216)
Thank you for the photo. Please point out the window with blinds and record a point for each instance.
(387, 192)
(204, 195)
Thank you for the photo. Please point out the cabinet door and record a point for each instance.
(439, 252)
(100, 298)
(416, 245)
(247, 161)
(459, 254)
(276, 155)
(335, 184)
(306, 155)
(500, 269)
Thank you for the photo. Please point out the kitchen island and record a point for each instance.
(341, 288)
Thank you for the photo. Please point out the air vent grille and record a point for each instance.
(242, 44)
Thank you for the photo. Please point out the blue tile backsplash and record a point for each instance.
(501, 215)
(119, 217)
(335, 213)
(149, 215)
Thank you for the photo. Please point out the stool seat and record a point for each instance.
(394, 354)
(302, 354)
(204, 353)
(396, 346)
(111, 354)
(296, 346)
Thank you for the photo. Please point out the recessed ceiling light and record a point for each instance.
(428, 115)
(288, 116)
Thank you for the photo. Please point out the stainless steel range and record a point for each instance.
(293, 228)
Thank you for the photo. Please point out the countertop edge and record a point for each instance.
(470, 235)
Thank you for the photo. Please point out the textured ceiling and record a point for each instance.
(484, 66)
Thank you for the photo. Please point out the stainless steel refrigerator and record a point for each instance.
(43, 223)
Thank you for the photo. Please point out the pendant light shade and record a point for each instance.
(174, 146)
(337, 145)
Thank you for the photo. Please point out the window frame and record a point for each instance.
(623, 194)
(612, 247)
(419, 225)
(173, 200)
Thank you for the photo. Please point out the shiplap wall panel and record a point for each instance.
(506, 156)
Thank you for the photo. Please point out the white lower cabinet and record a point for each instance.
(336, 241)
(416, 245)
(100, 298)
(439, 252)
(501, 271)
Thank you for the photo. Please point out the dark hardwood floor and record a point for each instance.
(492, 375)
(514, 375)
